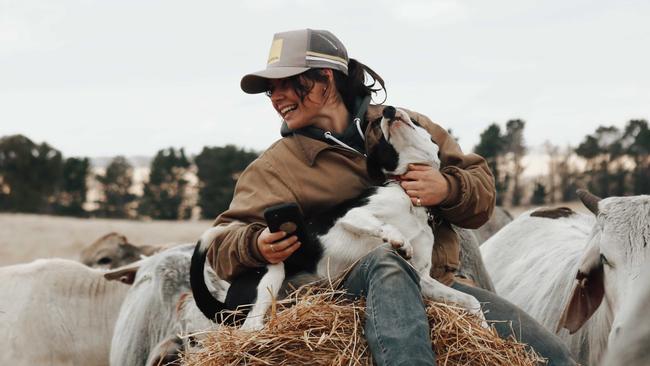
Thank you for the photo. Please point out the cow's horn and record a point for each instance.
(589, 199)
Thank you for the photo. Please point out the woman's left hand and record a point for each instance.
(426, 184)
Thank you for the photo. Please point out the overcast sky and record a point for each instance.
(108, 77)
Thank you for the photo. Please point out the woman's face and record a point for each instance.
(296, 112)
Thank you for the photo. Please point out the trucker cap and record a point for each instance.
(295, 52)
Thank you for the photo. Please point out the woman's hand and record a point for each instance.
(426, 184)
(275, 250)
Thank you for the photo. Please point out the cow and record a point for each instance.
(113, 250)
(157, 308)
(57, 312)
(571, 270)
(629, 345)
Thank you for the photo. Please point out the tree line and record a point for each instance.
(609, 162)
(37, 178)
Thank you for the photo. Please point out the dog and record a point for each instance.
(341, 236)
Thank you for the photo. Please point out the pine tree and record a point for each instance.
(601, 150)
(164, 193)
(116, 184)
(636, 144)
(29, 174)
(72, 193)
(218, 170)
(492, 146)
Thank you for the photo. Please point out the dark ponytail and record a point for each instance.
(350, 86)
(354, 85)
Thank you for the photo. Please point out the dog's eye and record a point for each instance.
(269, 93)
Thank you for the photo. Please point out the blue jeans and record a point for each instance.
(397, 328)
(519, 325)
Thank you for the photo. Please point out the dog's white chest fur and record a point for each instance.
(387, 217)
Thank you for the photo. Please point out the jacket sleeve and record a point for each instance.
(235, 247)
(472, 193)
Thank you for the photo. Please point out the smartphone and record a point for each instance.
(285, 217)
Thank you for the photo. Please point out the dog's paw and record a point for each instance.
(252, 324)
(405, 251)
(392, 236)
(396, 240)
(474, 308)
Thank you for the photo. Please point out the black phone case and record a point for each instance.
(285, 217)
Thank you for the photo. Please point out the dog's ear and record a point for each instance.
(373, 168)
(382, 157)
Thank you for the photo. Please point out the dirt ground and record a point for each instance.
(24, 237)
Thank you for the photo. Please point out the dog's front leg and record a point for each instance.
(361, 222)
(438, 292)
(267, 290)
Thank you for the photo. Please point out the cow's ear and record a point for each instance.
(127, 245)
(125, 274)
(587, 294)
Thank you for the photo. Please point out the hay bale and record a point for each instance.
(315, 326)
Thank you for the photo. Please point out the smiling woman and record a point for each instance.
(303, 105)
(328, 129)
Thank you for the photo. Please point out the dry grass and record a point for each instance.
(25, 237)
(321, 327)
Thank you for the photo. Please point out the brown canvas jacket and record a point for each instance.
(317, 176)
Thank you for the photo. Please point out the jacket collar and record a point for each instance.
(311, 146)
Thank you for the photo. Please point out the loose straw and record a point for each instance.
(320, 326)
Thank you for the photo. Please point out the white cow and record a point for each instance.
(629, 345)
(156, 309)
(575, 272)
(57, 312)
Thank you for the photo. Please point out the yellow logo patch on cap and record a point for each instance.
(276, 51)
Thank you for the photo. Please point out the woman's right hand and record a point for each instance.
(274, 248)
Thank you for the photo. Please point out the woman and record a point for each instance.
(328, 126)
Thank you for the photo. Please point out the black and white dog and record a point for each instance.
(343, 235)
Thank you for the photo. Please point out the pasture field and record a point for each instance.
(25, 237)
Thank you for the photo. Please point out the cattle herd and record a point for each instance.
(585, 277)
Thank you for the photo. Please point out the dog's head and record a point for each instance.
(403, 142)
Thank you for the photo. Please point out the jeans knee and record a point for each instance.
(387, 260)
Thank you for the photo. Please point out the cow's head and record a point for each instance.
(615, 255)
(110, 251)
(113, 250)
